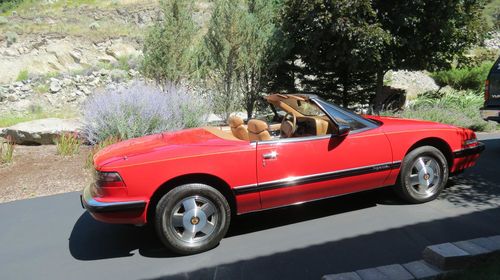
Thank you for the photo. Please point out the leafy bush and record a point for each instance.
(455, 108)
(68, 144)
(6, 151)
(141, 110)
(23, 75)
(99, 146)
(467, 78)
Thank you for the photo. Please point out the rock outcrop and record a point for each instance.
(40, 132)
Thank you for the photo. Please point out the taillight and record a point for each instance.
(486, 90)
(108, 180)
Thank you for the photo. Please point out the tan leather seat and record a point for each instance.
(237, 128)
(258, 130)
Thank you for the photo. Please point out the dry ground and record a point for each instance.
(39, 171)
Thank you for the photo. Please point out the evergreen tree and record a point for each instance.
(169, 46)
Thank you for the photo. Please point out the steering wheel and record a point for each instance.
(288, 125)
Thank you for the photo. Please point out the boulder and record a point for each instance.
(40, 132)
(121, 50)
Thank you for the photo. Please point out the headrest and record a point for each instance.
(257, 126)
(234, 121)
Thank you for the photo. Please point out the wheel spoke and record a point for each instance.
(208, 228)
(188, 235)
(208, 208)
(189, 204)
(177, 220)
(420, 164)
(414, 179)
(421, 188)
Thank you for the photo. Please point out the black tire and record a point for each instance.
(431, 170)
(171, 210)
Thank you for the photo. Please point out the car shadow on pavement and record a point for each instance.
(94, 240)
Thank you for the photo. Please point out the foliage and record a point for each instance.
(471, 78)
(97, 147)
(68, 144)
(459, 108)
(23, 75)
(42, 88)
(8, 5)
(11, 37)
(488, 269)
(240, 50)
(168, 46)
(222, 47)
(6, 151)
(344, 43)
(141, 110)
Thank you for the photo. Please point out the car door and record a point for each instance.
(296, 170)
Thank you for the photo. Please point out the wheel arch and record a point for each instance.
(437, 143)
(211, 180)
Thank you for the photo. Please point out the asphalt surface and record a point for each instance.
(54, 238)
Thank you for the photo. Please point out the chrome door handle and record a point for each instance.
(271, 155)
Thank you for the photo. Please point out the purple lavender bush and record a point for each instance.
(141, 110)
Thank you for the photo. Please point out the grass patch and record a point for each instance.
(22, 76)
(12, 119)
(42, 88)
(6, 151)
(489, 270)
(68, 144)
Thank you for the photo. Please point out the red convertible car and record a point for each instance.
(190, 183)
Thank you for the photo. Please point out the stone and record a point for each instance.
(490, 243)
(472, 248)
(11, 52)
(121, 50)
(76, 55)
(371, 274)
(26, 87)
(3, 20)
(94, 25)
(446, 256)
(342, 276)
(40, 132)
(55, 87)
(395, 271)
(12, 98)
(422, 270)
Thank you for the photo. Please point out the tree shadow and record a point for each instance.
(479, 186)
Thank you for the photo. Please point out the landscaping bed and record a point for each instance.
(40, 171)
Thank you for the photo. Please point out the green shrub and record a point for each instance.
(6, 151)
(467, 78)
(23, 75)
(42, 88)
(455, 108)
(11, 38)
(68, 144)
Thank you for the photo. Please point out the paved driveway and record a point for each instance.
(53, 238)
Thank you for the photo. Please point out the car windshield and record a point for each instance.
(304, 107)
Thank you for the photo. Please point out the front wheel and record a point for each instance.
(192, 218)
(424, 173)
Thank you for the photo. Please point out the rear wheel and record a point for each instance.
(192, 218)
(424, 173)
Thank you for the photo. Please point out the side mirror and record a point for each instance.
(343, 130)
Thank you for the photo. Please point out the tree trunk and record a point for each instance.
(378, 101)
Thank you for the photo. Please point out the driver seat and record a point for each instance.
(258, 130)
(237, 128)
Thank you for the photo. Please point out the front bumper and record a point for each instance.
(490, 114)
(479, 148)
(94, 206)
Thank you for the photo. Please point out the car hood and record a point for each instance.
(395, 123)
(169, 144)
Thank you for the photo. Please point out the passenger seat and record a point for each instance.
(237, 128)
(258, 130)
